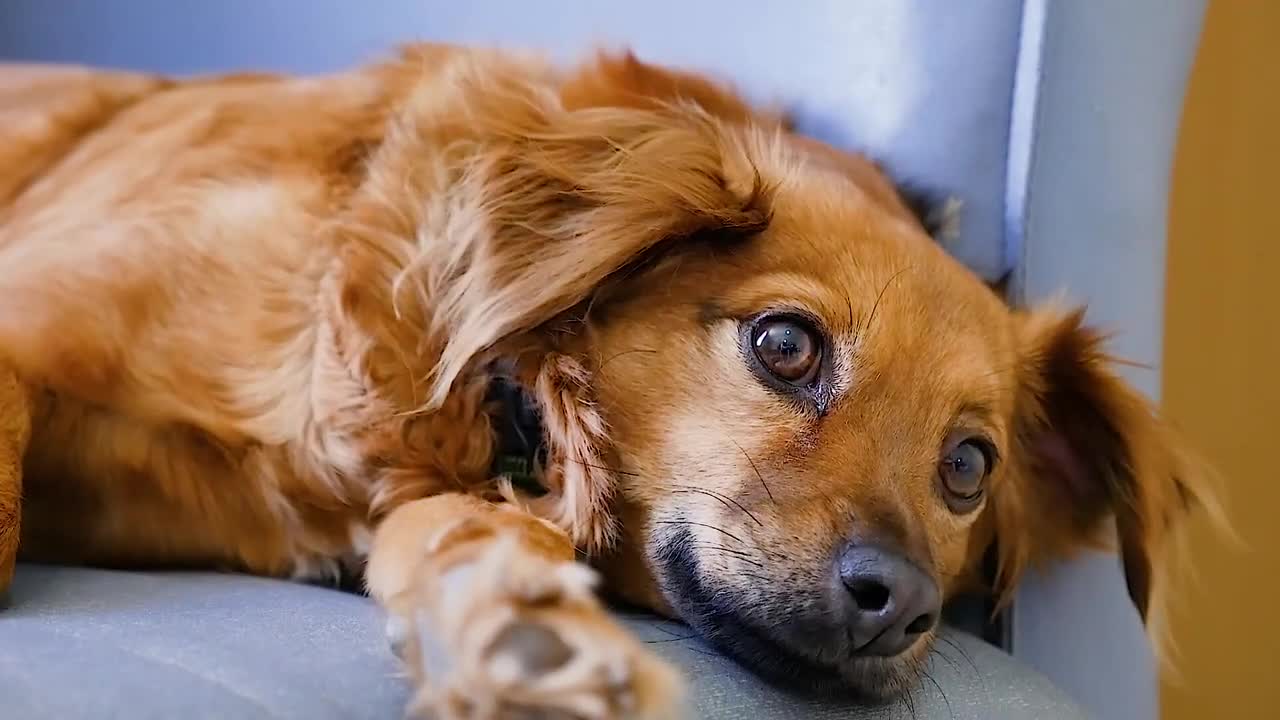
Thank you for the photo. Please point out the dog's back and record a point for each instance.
(157, 239)
(46, 111)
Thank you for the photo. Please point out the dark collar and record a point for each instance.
(520, 451)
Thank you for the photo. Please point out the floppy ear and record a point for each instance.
(522, 207)
(1090, 448)
(569, 198)
(623, 80)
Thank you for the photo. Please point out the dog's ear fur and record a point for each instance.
(545, 191)
(1088, 448)
(623, 80)
(572, 196)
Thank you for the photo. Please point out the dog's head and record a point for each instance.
(796, 421)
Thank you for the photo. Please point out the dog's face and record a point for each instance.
(808, 422)
(817, 422)
(818, 427)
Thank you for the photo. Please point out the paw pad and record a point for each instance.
(526, 649)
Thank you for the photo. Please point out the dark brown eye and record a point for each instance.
(788, 348)
(963, 471)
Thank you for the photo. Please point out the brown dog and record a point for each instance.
(261, 321)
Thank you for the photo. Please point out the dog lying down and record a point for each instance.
(471, 323)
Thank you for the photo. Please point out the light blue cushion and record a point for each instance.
(94, 644)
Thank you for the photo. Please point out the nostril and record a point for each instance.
(920, 625)
(869, 595)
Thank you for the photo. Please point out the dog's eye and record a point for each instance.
(963, 471)
(788, 348)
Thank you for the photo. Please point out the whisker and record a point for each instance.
(938, 652)
(606, 468)
(876, 306)
(698, 524)
(964, 654)
(739, 554)
(671, 639)
(669, 633)
(724, 499)
(767, 491)
(615, 356)
(910, 701)
(973, 664)
(941, 692)
(765, 554)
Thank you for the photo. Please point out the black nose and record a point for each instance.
(892, 602)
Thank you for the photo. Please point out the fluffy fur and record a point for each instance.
(257, 316)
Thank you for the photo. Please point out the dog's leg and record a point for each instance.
(495, 619)
(15, 428)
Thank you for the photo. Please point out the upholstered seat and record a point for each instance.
(100, 644)
(1053, 122)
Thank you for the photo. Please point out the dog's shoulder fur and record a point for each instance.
(239, 226)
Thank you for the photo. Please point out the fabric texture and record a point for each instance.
(79, 644)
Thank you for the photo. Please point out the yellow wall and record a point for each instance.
(1222, 357)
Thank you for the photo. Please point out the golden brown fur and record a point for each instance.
(15, 430)
(258, 317)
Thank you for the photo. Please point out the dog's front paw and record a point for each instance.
(513, 635)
